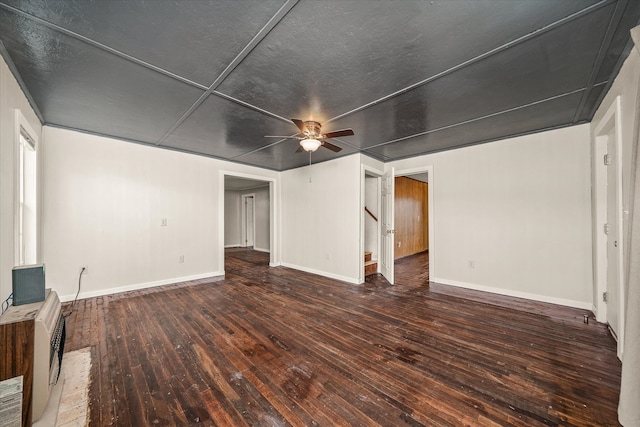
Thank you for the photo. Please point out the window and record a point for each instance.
(26, 199)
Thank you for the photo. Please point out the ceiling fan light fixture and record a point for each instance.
(310, 144)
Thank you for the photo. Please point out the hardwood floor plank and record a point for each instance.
(185, 364)
(364, 366)
(279, 347)
(291, 374)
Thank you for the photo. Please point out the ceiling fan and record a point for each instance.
(311, 137)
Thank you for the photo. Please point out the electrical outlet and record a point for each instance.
(163, 222)
(84, 269)
(471, 264)
(181, 259)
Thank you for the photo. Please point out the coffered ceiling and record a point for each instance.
(409, 77)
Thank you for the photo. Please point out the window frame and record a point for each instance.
(26, 139)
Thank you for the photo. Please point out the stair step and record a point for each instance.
(367, 256)
(370, 267)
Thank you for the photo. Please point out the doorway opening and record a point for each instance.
(371, 222)
(379, 235)
(248, 219)
(412, 225)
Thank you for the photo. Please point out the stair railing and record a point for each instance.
(370, 213)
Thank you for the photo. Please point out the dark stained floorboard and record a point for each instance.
(278, 347)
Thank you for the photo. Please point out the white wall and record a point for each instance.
(321, 213)
(232, 214)
(11, 98)
(371, 164)
(520, 209)
(103, 204)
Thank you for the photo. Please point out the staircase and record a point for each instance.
(370, 266)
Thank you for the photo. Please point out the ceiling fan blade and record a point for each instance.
(281, 136)
(338, 133)
(300, 124)
(331, 147)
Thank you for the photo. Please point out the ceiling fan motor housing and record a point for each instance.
(312, 129)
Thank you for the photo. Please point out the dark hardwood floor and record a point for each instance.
(278, 347)
(412, 270)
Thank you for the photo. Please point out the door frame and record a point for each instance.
(610, 122)
(387, 210)
(372, 172)
(430, 202)
(365, 171)
(243, 218)
(275, 258)
(429, 169)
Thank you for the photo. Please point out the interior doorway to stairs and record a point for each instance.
(379, 209)
(371, 223)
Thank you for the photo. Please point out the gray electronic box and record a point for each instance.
(28, 284)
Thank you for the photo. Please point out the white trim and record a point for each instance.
(21, 123)
(517, 294)
(373, 172)
(599, 217)
(361, 225)
(386, 258)
(260, 249)
(274, 214)
(214, 276)
(243, 221)
(352, 280)
(611, 121)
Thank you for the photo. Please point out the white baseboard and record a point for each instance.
(323, 273)
(517, 294)
(255, 248)
(213, 275)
